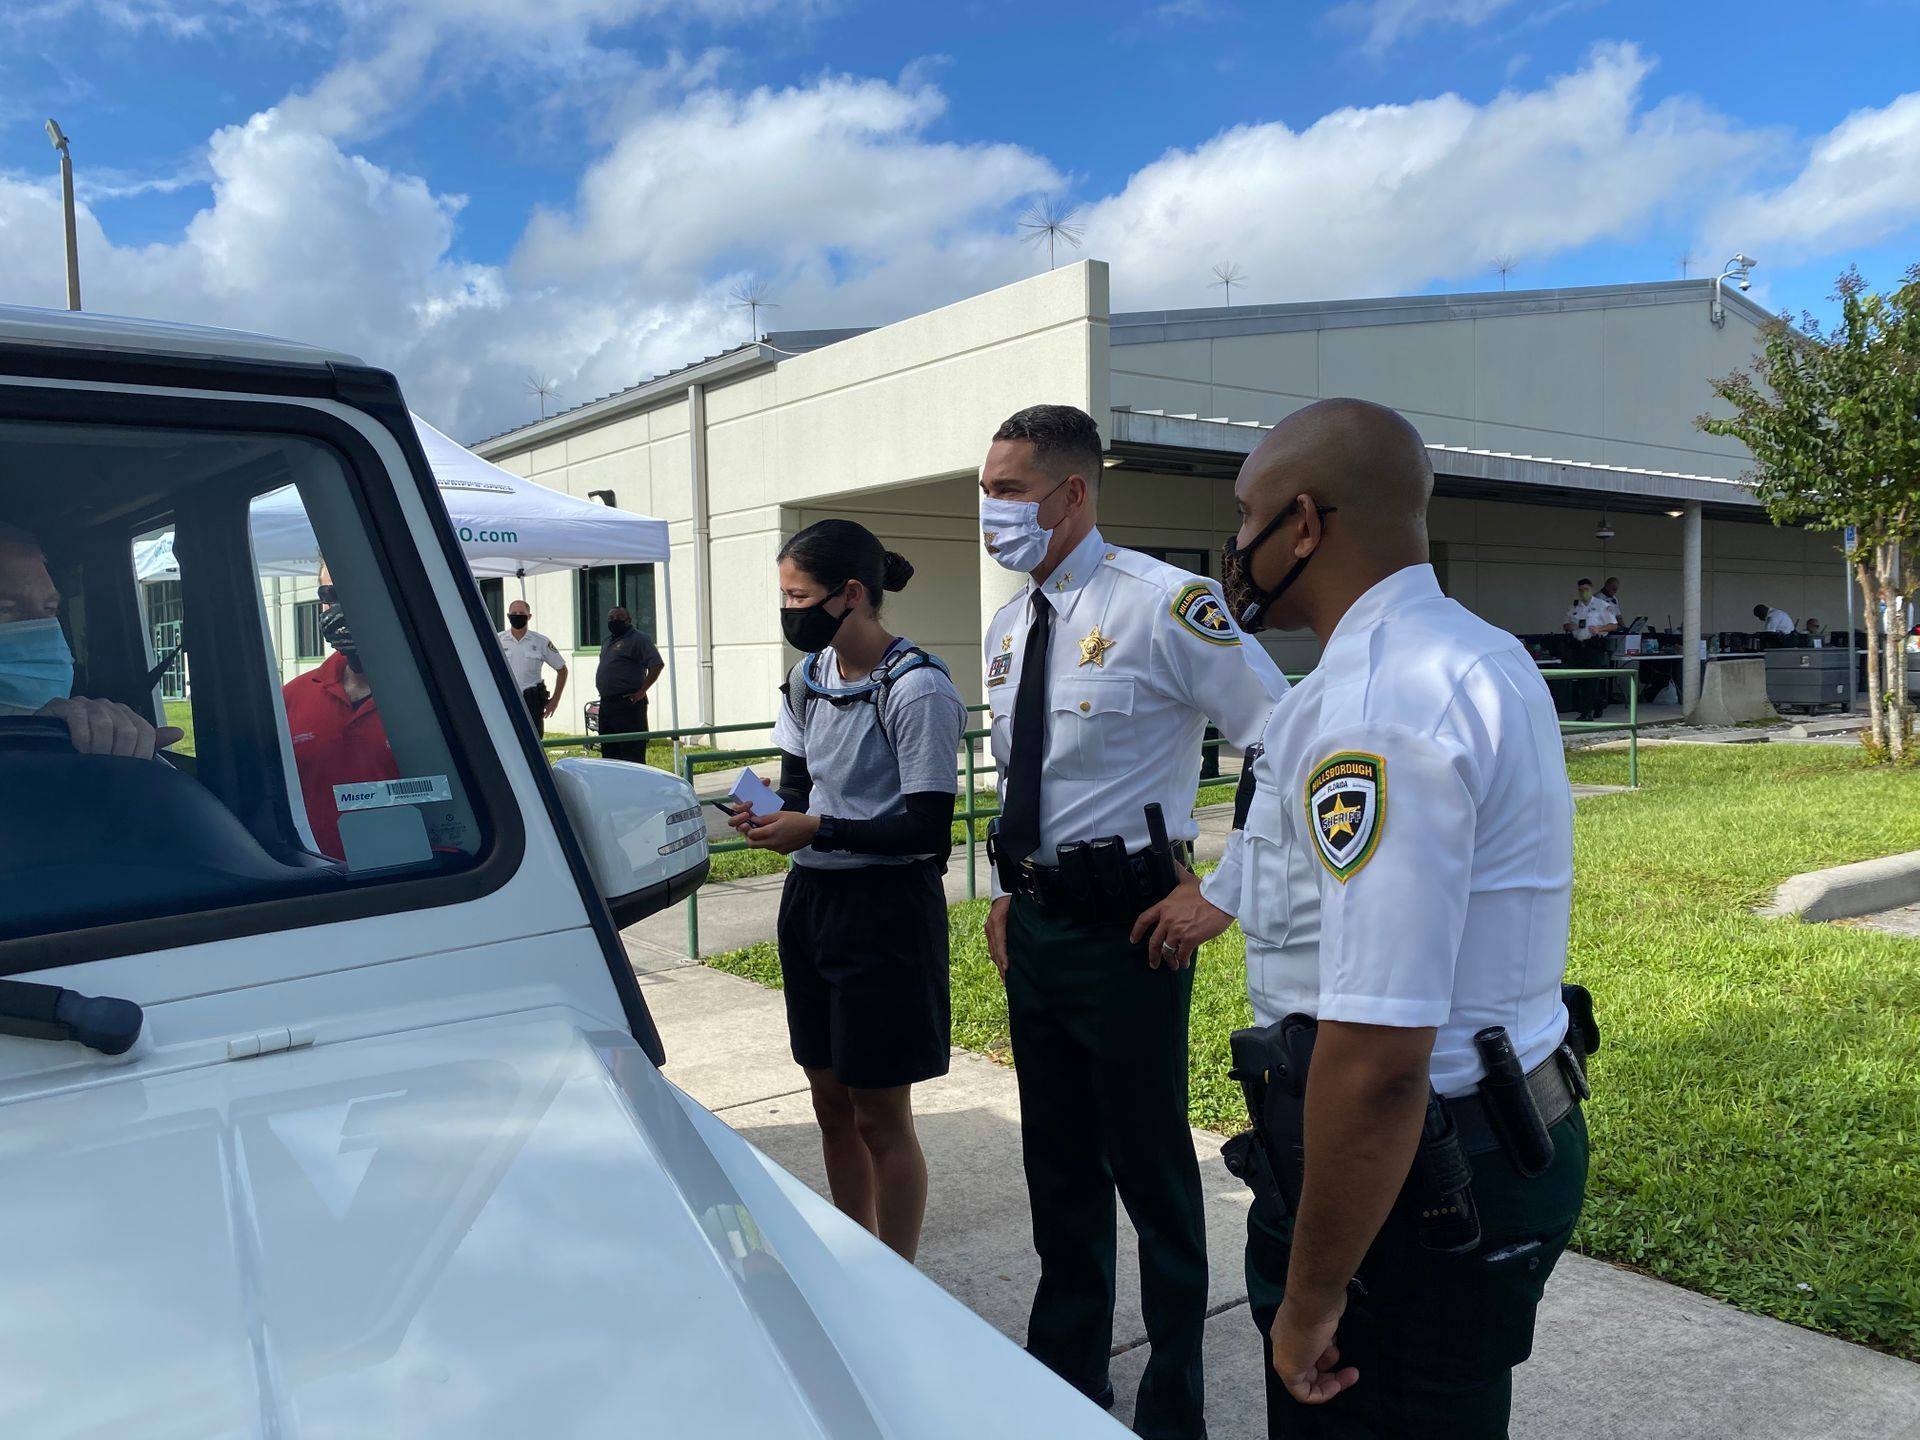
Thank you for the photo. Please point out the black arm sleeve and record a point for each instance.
(796, 782)
(925, 829)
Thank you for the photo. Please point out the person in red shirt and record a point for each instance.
(338, 736)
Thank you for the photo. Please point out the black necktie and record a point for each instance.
(1020, 824)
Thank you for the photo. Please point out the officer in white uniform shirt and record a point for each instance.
(1404, 883)
(528, 653)
(1102, 674)
(1590, 619)
(1773, 620)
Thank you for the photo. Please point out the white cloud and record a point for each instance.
(1392, 197)
(1385, 23)
(1860, 183)
(838, 195)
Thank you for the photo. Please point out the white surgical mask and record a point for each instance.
(1013, 533)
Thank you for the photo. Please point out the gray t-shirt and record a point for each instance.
(857, 775)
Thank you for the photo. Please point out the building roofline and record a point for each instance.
(732, 364)
(1141, 327)
(729, 365)
(1157, 431)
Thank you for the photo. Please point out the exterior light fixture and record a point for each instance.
(1740, 271)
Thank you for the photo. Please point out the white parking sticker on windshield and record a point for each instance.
(376, 794)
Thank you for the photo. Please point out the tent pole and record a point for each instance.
(522, 574)
(673, 666)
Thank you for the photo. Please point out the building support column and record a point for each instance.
(1691, 665)
(702, 548)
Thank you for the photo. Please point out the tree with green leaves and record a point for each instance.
(1832, 418)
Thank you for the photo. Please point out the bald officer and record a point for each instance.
(1404, 884)
(1102, 673)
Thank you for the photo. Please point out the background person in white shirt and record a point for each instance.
(1590, 619)
(1773, 620)
(528, 652)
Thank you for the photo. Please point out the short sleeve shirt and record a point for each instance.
(527, 655)
(1408, 855)
(624, 663)
(335, 742)
(859, 773)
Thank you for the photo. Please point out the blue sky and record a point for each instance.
(469, 190)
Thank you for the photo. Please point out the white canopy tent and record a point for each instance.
(507, 525)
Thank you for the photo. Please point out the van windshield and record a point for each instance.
(208, 692)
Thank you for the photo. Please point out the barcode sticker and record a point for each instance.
(375, 794)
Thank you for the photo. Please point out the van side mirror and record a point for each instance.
(645, 839)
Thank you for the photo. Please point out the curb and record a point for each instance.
(1863, 888)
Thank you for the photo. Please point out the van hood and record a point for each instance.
(499, 1228)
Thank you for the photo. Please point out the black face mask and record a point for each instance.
(617, 628)
(810, 628)
(519, 622)
(1248, 602)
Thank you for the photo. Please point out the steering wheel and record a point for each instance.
(47, 733)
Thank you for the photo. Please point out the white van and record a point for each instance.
(329, 1105)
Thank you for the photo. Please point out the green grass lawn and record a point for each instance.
(1756, 1117)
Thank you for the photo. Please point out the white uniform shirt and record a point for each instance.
(1408, 857)
(1583, 615)
(1778, 621)
(526, 655)
(1142, 655)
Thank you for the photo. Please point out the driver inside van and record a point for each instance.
(338, 735)
(36, 664)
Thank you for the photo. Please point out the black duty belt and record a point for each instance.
(1049, 888)
(1553, 1094)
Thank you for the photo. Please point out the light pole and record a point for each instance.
(59, 139)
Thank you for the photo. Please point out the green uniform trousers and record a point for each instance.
(1435, 1337)
(1100, 1050)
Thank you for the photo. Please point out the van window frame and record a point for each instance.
(471, 745)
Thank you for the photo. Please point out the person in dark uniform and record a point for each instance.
(1102, 672)
(1404, 880)
(868, 732)
(628, 667)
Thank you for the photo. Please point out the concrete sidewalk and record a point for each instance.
(1619, 1356)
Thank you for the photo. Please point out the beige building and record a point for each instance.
(1553, 417)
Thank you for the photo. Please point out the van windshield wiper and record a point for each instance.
(47, 1012)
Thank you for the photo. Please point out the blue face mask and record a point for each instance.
(35, 664)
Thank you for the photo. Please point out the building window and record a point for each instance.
(599, 589)
(1194, 562)
(307, 644)
(163, 616)
(493, 595)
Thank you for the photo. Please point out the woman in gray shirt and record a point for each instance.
(869, 730)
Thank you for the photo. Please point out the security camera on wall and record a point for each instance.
(1605, 532)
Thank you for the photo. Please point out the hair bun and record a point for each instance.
(899, 570)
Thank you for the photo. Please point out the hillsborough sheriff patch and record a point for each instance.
(1347, 809)
(1197, 609)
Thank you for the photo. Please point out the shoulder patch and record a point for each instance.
(1347, 810)
(1199, 610)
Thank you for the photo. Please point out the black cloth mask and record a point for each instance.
(617, 628)
(519, 622)
(1246, 600)
(810, 628)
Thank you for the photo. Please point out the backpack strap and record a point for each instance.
(901, 663)
(797, 692)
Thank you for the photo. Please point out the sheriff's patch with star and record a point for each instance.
(1198, 609)
(1347, 810)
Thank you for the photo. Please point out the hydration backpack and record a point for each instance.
(803, 685)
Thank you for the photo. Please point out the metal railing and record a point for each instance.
(973, 767)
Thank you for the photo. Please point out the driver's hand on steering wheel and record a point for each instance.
(106, 727)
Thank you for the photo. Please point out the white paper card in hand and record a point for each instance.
(757, 793)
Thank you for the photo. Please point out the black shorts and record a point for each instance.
(863, 956)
